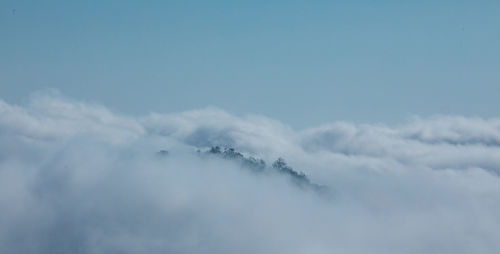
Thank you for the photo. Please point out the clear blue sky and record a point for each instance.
(302, 62)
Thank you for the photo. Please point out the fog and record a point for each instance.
(78, 178)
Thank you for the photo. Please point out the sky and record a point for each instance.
(386, 111)
(301, 62)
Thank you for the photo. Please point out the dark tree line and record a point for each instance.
(230, 154)
(259, 166)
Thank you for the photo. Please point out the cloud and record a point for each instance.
(78, 178)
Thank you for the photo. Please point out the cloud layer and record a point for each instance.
(77, 178)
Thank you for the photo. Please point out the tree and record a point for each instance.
(215, 150)
(280, 164)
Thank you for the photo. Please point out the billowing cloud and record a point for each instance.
(78, 178)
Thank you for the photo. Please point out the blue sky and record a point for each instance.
(302, 62)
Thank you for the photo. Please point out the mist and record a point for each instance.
(76, 177)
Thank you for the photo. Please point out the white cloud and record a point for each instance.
(77, 178)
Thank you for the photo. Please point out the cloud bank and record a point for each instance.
(78, 178)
